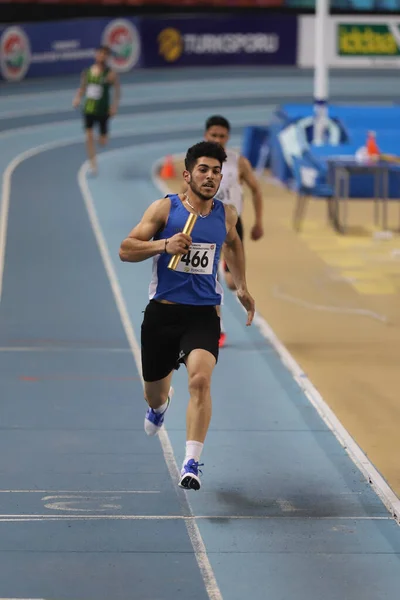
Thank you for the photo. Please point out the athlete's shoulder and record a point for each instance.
(244, 162)
(161, 205)
(157, 212)
(112, 76)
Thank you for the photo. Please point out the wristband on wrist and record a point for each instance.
(165, 247)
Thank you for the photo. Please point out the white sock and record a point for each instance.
(193, 450)
(161, 408)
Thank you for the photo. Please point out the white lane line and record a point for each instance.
(139, 117)
(191, 518)
(6, 190)
(342, 310)
(87, 492)
(60, 349)
(135, 87)
(189, 89)
(199, 549)
(135, 101)
(378, 483)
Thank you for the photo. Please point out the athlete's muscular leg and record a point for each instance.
(103, 125)
(156, 392)
(91, 149)
(200, 365)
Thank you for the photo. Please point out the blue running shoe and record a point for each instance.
(154, 421)
(190, 479)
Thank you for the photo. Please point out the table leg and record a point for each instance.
(337, 193)
(385, 197)
(377, 196)
(346, 192)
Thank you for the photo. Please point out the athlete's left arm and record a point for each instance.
(234, 256)
(81, 90)
(247, 176)
(117, 93)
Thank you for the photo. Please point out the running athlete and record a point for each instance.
(181, 322)
(97, 108)
(236, 171)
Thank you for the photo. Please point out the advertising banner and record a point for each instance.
(66, 47)
(208, 3)
(348, 6)
(353, 42)
(219, 40)
(169, 3)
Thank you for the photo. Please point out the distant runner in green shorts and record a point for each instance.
(97, 107)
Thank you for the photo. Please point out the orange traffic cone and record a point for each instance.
(168, 169)
(372, 146)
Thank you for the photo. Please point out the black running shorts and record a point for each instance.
(239, 229)
(171, 331)
(102, 122)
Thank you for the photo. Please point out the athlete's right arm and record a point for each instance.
(81, 91)
(139, 245)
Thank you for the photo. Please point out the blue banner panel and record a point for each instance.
(219, 40)
(66, 47)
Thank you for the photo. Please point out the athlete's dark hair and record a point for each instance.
(105, 49)
(218, 120)
(207, 149)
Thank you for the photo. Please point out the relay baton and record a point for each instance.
(187, 230)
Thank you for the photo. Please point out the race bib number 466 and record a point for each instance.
(199, 260)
